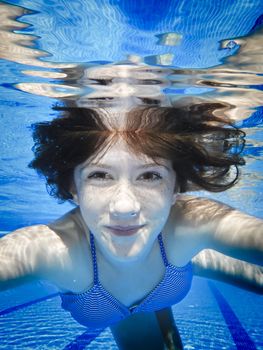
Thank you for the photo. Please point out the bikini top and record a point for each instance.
(97, 308)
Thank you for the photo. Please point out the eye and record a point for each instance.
(100, 175)
(150, 176)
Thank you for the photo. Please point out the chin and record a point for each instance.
(128, 253)
(127, 249)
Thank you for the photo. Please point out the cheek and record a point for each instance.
(93, 200)
(158, 201)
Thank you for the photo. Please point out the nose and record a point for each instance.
(124, 205)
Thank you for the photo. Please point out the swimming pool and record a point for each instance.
(202, 52)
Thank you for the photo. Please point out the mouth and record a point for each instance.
(124, 230)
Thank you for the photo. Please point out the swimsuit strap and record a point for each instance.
(94, 259)
(164, 256)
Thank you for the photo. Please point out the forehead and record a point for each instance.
(119, 154)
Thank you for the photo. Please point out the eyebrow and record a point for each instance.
(106, 166)
(150, 165)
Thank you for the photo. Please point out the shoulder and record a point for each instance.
(69, 228)
(71, 269)
(217, 226)
(44, 247)
(190, 204)
(25, 253)
(28, 236)
(32, 243)
(195, 211)
(188, 228)
(193, 221)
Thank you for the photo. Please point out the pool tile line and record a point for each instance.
(81, 341)
(32, 302)
(240, 336)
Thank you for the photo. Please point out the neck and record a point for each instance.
(127, 263)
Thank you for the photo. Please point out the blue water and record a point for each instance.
(194, 43)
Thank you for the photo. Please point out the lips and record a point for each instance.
(124, 230)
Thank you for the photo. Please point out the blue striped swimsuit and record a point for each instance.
(97, 308)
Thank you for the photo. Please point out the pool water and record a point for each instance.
(56, 50)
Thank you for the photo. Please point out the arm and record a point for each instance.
(239, 235)
(224, 229)
(211, 264)
(25, 254)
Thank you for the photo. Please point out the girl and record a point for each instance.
(134, 241)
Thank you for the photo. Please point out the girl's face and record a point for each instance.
(125, 200)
